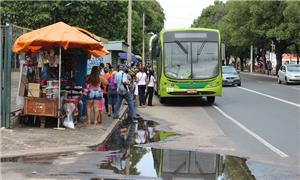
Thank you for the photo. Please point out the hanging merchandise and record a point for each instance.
(31, 69)
(55, 54)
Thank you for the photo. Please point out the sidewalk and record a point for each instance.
(33, 141)
(259, 74)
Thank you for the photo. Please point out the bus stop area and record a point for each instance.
(21, 141)
(28, 140)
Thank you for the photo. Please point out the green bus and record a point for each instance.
(188, 63)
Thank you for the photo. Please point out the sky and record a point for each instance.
(181, 13)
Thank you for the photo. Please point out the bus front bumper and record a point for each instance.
(172, 92)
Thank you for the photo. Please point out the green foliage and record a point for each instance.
(104, 18)
(210, 16)
(243, 23)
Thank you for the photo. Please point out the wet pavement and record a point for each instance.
(30, 139)
(127, 154)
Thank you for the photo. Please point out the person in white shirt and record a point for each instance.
(150, 87)
(141, 79)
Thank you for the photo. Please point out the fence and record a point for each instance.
(17, 31)
(8, 80)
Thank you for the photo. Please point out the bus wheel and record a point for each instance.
(210, 99)
(162, 100)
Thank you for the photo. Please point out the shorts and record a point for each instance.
(94, 95)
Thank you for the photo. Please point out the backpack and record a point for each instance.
(112, 84)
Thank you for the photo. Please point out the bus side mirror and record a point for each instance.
(155, 47)
(155, 52)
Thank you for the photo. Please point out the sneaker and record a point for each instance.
(137, 118)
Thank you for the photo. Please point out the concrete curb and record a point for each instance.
(260, 75)
(67, 149)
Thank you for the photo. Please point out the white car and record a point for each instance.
(289, 73)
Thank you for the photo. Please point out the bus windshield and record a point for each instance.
(191, 60)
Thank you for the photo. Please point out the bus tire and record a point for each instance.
(210, 99)
(162, 100)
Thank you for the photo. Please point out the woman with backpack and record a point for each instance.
(112, 92)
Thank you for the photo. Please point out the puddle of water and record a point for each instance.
(120, 158)
(129, 159)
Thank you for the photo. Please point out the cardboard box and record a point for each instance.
(34, 90)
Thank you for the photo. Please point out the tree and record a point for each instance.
(270, 23)
(210, 16)
(292, 14)
(255, 22)
(105, 18)
(221, 16)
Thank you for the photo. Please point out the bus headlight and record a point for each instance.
(213, 84)
(169, 89)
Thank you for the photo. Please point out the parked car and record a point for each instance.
(230, 76)
(289, 73)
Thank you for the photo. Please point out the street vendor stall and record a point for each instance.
(52, 56)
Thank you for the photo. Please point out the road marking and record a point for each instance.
(272, 97)
(264, 142)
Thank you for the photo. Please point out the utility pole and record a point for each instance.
(143, 35)
(129, 32)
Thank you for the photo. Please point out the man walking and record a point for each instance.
(123, 93)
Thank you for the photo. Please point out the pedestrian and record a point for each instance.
(93, 94)
(112, 92)
(102, 102)
(150, 87)
(106, 76)
(269, 67)
(141, 79)
(101, 67)
(123, 93)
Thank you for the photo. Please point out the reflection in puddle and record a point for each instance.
(120, 158)
(128, 159)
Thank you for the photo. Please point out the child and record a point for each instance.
(100, 108)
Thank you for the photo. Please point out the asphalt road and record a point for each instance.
(259, 120)
(267, 119)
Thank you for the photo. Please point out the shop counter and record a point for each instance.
(40, 106)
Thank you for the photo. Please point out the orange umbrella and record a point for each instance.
(58, 35)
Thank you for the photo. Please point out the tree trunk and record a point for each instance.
(263, 54)
(278, 53)
(242, 63)
(297, 52)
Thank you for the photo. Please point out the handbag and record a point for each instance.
(122, 89)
